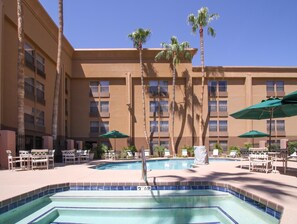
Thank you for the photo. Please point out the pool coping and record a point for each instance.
(273, 209)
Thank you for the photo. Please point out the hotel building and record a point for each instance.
(101, 91)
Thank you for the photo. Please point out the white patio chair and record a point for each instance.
(166, 153)
(232, 154)
(69, 156)
(184, 153)
(261, 162)
(39, 158)
(12, 160)
(215, 152)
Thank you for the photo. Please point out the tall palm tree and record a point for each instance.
(174, 52)
(20, 78)
(139, 37)
(58, 76)
(202, 20)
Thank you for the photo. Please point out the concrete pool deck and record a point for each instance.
(276, 187)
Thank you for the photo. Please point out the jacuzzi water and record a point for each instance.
(164, 164)
(145, 207)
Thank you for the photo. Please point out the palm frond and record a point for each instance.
(211, 31)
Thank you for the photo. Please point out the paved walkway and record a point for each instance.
(277, 187)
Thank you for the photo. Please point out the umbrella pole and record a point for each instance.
(270, 131)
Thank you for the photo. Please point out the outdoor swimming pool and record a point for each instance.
(164, 164)
(138, 206)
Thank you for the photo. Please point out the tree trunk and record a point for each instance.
(58, 76)
(201, 142)
(20, 78)
(173, 110)
(143, 99)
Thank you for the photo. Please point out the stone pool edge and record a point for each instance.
(264, 205)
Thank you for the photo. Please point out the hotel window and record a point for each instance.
(40, 64)
(153, 126)
(222, 86)
(153, 88)
(217, 86)
(94, 88)
(94, 126)
(163, 106)
(104, 106)
(29, 56)
(39, 117)
(224, 144)
(276, 125)
(223, 126)
(222, 106)
(40, 92)
(94, 108)
(275, 88)
(29, 115)
(104, 88)
(164, 126)
(280, 125)
(158, 88)
(154, 106)
(212, 106)
(212, 87)
(104, 127)
(29, 88)
(279, 86)
(213, 126)
(163, 88)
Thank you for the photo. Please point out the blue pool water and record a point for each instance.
(164, 164)
(134, 207)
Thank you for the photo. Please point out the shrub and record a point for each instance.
(234, 148)
(292, 147)
(190, 150)
(159, 150)
(248, 145)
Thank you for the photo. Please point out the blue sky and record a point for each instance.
(249, 32)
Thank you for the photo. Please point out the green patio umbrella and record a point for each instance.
(267, 109)
(290, 98)
(253, 134)
(114, 134)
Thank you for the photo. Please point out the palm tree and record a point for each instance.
(139, 37)
(58, 76)
(202, 20)
(174, 52)
(20, 78)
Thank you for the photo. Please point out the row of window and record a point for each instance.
(34, 60)
(97, 127)
(222, 125)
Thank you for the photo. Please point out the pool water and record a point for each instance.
(145, 207)
(164, 164)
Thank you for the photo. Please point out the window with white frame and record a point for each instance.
(153, 126)
(104, 106)
(104, 86)
(164, 126)
(94, 88)
(223, 126)
(212, 126)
